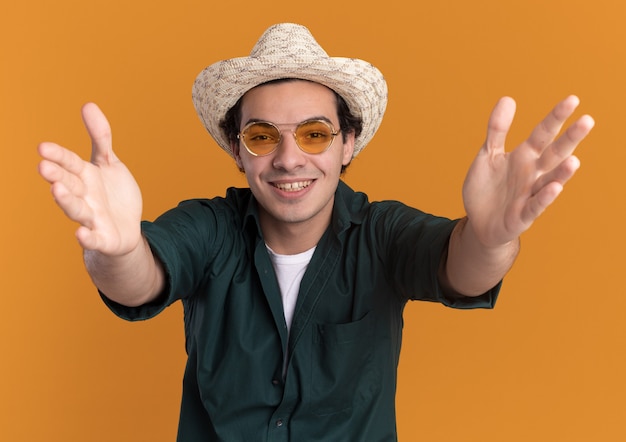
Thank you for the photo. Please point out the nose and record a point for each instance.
(288, 156)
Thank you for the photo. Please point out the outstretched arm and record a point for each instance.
(102, 196)
(504, 192)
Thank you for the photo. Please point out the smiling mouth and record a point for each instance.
(293, 187)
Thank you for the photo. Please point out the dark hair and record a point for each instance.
(348, 122)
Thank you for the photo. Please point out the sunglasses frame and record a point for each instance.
(333, 134)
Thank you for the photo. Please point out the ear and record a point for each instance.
(235, 148)
(348, 149)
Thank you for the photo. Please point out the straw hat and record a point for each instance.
(290, 51)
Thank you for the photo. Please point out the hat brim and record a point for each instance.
(219, 86)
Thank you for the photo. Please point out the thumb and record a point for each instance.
(499, 124)
(99, 131)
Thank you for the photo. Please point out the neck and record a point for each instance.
(291, 238)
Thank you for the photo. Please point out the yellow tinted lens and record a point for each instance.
(314, 136)
(261, 138)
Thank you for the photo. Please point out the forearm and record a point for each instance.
(470, 268)
(132, 279)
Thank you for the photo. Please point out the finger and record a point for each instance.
(540, 201)
(560, 174)
(74, 207)
(53, 173)
(63, 157)
(60, 165)
(87, 238)
(499, 124)
(545, 132)
(565, 145)
(99, 131)
(50, 171)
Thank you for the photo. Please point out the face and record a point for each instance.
(293, 187)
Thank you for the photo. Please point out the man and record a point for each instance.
(293, 289)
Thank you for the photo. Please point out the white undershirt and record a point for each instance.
(289, 272)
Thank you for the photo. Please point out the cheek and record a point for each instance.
(253, 167)
(333, 166)
(245, 162)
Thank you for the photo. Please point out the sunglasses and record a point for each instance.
(312, 136)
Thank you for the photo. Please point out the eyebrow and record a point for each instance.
(319, 117)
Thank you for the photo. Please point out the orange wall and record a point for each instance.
(547, 364)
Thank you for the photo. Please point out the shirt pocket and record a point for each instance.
(343, 371)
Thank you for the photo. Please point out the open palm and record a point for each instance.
(504, 192)
(101, 194)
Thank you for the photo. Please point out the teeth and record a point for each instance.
(293, 187)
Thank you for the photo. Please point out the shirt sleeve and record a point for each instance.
(412, 244)
(183, 240)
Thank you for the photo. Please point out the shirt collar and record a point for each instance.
(349, 208)
(250, 210)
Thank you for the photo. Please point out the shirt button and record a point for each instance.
(275, 381)
(279, 423)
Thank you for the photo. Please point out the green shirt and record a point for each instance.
(343, 348)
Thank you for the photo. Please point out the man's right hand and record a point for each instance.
(101, 195)
(104, 198)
